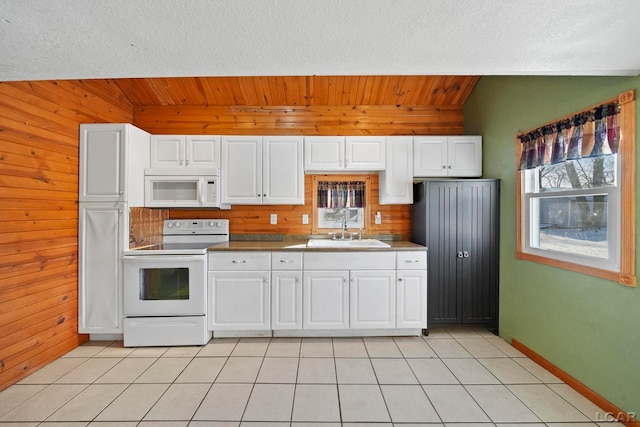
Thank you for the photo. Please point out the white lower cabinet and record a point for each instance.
(325, 300)
(239, 291)
(286, 290)
(411, 297)
(317, 290)
(372, 299)
(411, 290)
(101, 236)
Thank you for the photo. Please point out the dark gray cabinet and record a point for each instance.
(458, 221)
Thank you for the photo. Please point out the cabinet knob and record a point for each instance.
(121, 192)
(264, 195)
(465, 254)
(460, 255)
(400, 279)
(444, 166)
(450, 167)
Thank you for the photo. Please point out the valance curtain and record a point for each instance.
(341, 194)
(590, 133)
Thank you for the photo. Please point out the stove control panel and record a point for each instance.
(196, 226)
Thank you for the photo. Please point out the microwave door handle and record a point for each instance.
(161, 258)
(201, 186)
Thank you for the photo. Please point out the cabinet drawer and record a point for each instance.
(350, 260)
(412, 260)
(286, 260)
(235, 261)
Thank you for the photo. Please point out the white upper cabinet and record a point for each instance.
(282, 171)
(112, 162)
(262, 170)
(454, 156)
(396, 181)
(185, 151)
(324, 153)
(339, 153)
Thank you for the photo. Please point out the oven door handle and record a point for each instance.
(162, 258)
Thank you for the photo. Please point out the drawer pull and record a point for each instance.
(286, 261)
(411, 261)
(242, 261)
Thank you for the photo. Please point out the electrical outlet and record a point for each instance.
(274, 218)
(305, 218)
(378, 218)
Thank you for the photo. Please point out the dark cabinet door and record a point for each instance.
(478, 241)
(444, 299)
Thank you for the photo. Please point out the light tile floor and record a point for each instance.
(454, 377)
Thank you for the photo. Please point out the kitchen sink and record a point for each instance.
(339, 243)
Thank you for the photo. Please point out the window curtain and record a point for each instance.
(590, 133)
(341, 194)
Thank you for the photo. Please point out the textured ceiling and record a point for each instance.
(71, 39)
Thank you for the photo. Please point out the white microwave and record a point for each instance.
(182, 191)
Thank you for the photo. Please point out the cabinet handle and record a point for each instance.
(400, 279)
(264, 195)
(460, 255)
(344, 280)
(121, 192)
(242, 261)
(297, 279)
(465, 254)
(287, 261)
(411, 261)
(450, 167)
(444, 166)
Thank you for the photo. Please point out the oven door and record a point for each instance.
(164, 285)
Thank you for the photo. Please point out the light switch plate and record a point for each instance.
(305, 218)
(274, 218)
(378, 218)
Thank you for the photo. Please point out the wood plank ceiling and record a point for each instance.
(299, 90)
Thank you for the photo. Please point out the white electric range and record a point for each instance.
(165, 285)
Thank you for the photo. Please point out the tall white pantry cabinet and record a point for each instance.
(112, 162)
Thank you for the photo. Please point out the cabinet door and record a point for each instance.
(167, 151)
(282, 172)
(286, 300)
(102, 151)
(396, 180)
(239, 300)
(464, 157)
(411, 298)
(202, 151)
(325, 297)
(241, 170)
(365, 153)
(99, 268)
(478, 231)
(429, 156)
(441, 222)
(372, 299)
(324, 153)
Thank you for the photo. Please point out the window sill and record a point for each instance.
(623, 279)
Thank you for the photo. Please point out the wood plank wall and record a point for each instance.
(39, 215)
(300, 120)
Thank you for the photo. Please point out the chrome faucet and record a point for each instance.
(344, 225)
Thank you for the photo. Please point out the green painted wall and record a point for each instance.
(588, 327)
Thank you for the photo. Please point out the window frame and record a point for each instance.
(626, 217)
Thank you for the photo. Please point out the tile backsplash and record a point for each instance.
(145, 226)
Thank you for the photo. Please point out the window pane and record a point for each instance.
(593, 172)
(164, 284)
(575, 225)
